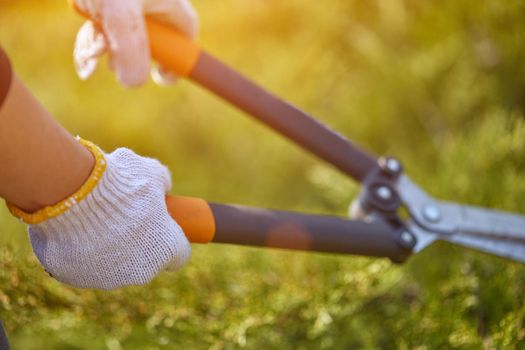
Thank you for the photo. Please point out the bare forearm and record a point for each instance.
(40, 162)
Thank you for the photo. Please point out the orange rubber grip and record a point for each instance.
(195, 217)
(169, 47)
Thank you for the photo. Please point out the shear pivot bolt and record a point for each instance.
(431, 213)
(384, 193)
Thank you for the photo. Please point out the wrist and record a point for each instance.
(88, 172)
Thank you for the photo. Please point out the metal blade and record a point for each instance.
(507, 248)
(510, 249)
(488, 223)
(488, 230)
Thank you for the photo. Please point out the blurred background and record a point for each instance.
(439, 84)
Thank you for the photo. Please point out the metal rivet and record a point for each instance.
(393, 165)
(384, 193)
(431, 213)
(407, 238)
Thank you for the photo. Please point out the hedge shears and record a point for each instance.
(376, 227)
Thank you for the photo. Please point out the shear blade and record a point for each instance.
(489, 223)
(507, 248)
(504, 247)
(492, 231)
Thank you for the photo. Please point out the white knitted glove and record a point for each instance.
(123, 34)
(120, 234)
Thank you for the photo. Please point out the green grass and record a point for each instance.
(440, 84)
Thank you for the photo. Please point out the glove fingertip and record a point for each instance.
(166, 179)
(86, 68)
(162, 76)
(179, 260)
(190, 25)
(90, 44)
(129, 77)
(182, 249)
(125, 30)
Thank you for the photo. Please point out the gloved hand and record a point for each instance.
(117, 234)
(122, 32)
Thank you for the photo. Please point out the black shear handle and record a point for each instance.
(282, 229)
(281, 116)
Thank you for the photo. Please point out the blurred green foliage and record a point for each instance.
(441, 84)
